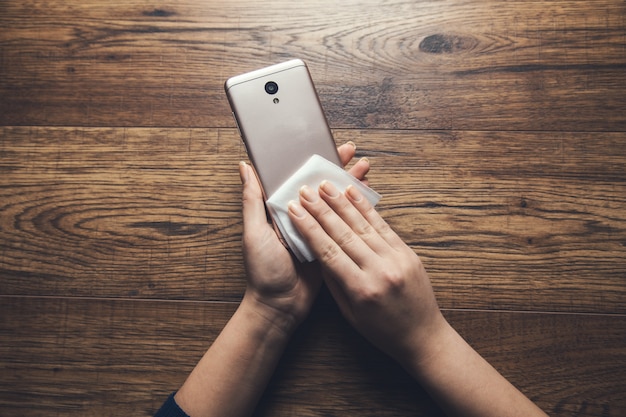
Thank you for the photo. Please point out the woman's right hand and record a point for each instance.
(382, 288)
(379, 283)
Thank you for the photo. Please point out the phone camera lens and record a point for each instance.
(271, 87)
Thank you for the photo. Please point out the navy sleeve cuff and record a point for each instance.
(170, 408)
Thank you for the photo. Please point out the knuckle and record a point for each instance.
(388, 282)
(394, 281)
(383, 226)
(322, 211)
(247, 196)
(329, 252)
(366, 230)
(309, 228)
(345, 238)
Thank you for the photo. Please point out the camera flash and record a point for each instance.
(276, 100)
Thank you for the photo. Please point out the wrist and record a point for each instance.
(427, 346)
(268, 317)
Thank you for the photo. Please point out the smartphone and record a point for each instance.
(280, 120)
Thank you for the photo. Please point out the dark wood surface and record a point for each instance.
(497, 136)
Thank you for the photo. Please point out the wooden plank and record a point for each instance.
(92, 357)
(513, 220)
(87, 210)
(491, 65)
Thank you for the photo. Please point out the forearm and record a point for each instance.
(465, 384)
(233, 373)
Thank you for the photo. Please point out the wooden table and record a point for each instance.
(496, 132)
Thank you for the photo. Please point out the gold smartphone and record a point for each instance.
(280, 120)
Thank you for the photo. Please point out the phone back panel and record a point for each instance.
(280, 131)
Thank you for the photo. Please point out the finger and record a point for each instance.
(353, 218)
(373, 217)
(346, 152)
(360, 169)
(252, 199)
(336, 228)
(326, 250)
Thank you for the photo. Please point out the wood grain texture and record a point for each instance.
(493, 65)
(110, 212)
(509, 220)
(496, 132)
(133, 353)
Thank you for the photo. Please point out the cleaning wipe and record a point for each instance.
(312, 173)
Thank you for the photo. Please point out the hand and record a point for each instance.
(281, 288)
(379, 283)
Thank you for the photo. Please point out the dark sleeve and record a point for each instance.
(170, 409)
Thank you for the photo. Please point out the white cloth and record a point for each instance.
(312, 173)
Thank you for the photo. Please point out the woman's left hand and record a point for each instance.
(281, 288)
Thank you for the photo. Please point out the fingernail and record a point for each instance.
(296, 209)
(365, 159)
(329, 189)
(351, 143)
(308, 194)
(243, 172)
(354, 194)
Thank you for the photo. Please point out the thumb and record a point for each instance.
(252, 198)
